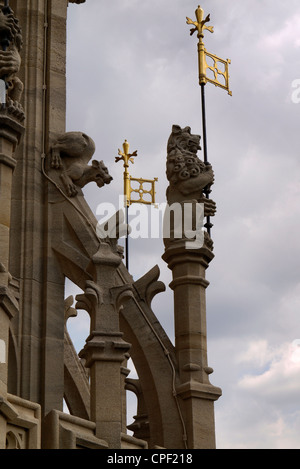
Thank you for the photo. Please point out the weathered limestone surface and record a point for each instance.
(39, 329)
(11, 131)
(195, 390)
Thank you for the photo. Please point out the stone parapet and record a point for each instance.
(20, 423)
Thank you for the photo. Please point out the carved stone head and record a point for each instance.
(99, 173)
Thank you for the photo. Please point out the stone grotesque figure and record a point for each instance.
(70, 154)
(188, 176)
(10, 59)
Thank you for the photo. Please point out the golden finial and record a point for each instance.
(126, 157)
(221, 77)
(200, 23)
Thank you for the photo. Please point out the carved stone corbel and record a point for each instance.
(70, 155)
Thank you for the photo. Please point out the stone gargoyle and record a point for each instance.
(10, 59)
(188, 176)
(70, 154)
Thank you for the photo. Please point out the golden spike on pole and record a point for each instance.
(199, 26)
(126, 157)
(200, 23)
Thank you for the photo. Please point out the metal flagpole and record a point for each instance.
(127, 238)
(208, 225)
(200, 27)
(126, 157)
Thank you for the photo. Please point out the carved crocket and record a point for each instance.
(188, 176)
(10, 59)
(70, 154)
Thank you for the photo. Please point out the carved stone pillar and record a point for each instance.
(39, 330)
(10, 132)
(105, 350)
(197, 393)
(188, 252)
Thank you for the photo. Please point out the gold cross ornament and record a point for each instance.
(141, 191)
(200, 26)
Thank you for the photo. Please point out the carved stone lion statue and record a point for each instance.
(70, 154)
(10, 59)
(188, 176)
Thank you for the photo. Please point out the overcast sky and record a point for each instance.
(132, 74)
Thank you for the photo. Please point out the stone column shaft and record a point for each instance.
(189, 287)
(10, 133)
(105, 350)
(39, 329)
(195, 390)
